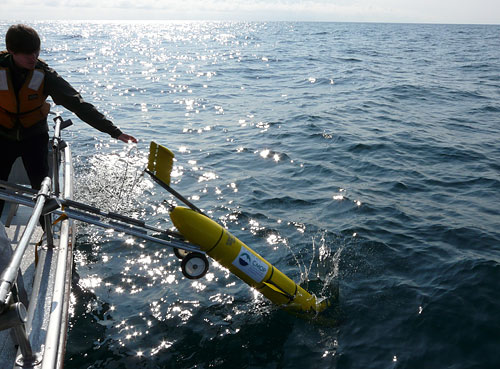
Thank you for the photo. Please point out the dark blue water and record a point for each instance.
(362, 160)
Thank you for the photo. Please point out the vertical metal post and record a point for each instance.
(27, 358)
(23, 342)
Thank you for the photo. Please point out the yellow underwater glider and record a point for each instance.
(218, 243)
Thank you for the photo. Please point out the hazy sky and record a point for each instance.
(421, 11)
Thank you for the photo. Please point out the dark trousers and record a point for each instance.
(34, 152)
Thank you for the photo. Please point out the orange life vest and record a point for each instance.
(29, 106)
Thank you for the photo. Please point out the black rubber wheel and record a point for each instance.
(180, 253)
(194, 265)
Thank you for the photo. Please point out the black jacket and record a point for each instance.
(62, 93)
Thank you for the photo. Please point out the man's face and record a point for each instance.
(26, 61)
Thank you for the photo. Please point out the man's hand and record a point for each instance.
(127, 138)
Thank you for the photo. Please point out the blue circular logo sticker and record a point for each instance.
(244, 259)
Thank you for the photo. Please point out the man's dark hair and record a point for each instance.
(22, 39)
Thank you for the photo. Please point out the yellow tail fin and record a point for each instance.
(161, 161)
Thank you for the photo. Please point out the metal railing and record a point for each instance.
(56, 336)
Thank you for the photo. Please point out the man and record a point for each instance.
(25, 83)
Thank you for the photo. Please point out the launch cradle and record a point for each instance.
(218, 243)
(197, 236)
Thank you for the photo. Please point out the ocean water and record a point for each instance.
(362, 160)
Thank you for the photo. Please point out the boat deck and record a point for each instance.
(14, 233)
(37, 287)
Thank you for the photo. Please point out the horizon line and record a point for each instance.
(247, 21)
